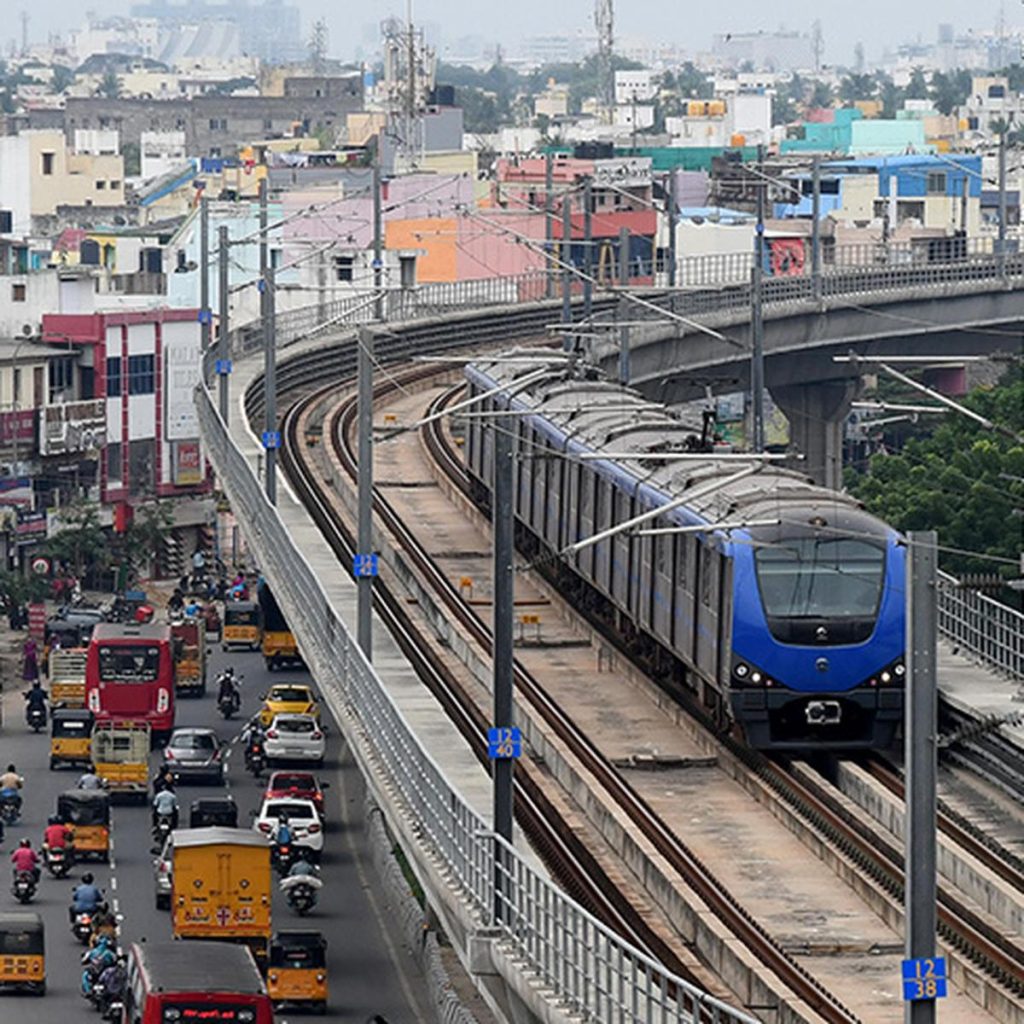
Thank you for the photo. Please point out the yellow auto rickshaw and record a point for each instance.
(70, 737)
(241, 625)
(22, 952)
(86, 812)
(297, 970)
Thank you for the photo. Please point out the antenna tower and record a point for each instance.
(318, 47)
(604, 22)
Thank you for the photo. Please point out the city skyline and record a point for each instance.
(843, 26)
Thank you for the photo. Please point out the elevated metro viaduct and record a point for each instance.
(675, 362)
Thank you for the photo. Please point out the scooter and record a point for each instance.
(282, 856)
(302, 892)
(35, 717)
(161, 830)
(81, 927)
(57, 860)
(255, 757)
(24, 886)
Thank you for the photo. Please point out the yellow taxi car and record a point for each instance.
(288, 699)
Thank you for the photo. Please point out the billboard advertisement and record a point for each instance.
(182, 369)
(72, 427)
(188, 463)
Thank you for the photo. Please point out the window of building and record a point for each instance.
(114, 377)
(16, 385)
(936, 183)
(268, 124)
(114, 462)
(48, 163)
(141, 465)
(17, 293)
(141, 376)
(62, 380)
(115, 183)
(275, 259)
(218, 124)
(100, 186)
(215, 151)
(344, 268)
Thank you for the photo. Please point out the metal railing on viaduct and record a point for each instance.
(526, 930)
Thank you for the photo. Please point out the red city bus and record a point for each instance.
(129, 675)
(183, 982)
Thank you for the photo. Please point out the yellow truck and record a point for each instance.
(67, 677)
(220, 886)
(120, 756)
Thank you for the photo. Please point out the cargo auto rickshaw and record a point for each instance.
(70, 737)
(22, 952)
(241, 625)
(86, 812)
(297, 970)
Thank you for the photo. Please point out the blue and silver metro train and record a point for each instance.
(782, 605)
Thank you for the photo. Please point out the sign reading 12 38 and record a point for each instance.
(924, 978)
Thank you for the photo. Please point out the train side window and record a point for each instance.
(662, 549)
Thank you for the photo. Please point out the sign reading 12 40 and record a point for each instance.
(924, 978)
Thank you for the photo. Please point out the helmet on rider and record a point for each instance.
(87, 878)
(26, 843)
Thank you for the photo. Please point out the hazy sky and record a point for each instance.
(877, 23)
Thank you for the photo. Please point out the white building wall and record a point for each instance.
(634, 83)
(750, 115)
(161, 152)
(15, 192)
(97, 141)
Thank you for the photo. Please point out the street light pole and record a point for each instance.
(204, 273)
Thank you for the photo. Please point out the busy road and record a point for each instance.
(370, 971)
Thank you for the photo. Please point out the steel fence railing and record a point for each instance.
(990, 630)
(549, 937)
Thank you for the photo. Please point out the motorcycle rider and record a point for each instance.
(35, 700)
(25, 858)
(227, 687)
(166, 803)
(113, 979)
(85, 898)
(10, 786)
(95, 961)
(104, 925)
(89, 780)
(164, 779)
(57, 836)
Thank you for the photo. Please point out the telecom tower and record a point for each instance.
(604, 22)
(409, 70)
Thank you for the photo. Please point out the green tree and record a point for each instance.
(18, 590)
(80, 541)
(890, 94)
(62, 77)
(917, 87)
(821, 95)
(144, 539)
(110, 86)
(857, 87)
(950, 90)
(132, 155)
(960, 479)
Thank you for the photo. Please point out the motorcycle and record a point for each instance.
(81, 927)
(282, 856)
(10, 808)
(57, 860)
(229, 703)
(302, 892)
(255, 757)
(35, 718)
(93, 966)
(24, 886)
(162, 829)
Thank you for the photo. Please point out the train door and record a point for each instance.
(663, 595)
(524, 469)
(709, 584)
(622, 549)
(725, 623)
(588, 517)
(684, 618)
(557, 473)
(603, 491)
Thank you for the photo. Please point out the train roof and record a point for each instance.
(593, 414)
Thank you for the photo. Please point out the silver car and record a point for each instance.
(195, 755)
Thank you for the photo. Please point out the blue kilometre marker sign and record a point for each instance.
(364, 565)
(504, 743)
(924, 978)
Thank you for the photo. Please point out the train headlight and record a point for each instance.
(741, 670)
(755, 678)
(899, 669)
(886, 677)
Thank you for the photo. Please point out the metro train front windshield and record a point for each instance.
(815, 577)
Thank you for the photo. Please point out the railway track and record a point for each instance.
(567, 857)
(998, 955)
(619, 792)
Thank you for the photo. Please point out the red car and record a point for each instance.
(301, 785)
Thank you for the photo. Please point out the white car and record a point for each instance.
(303, 819)
(295, 738)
